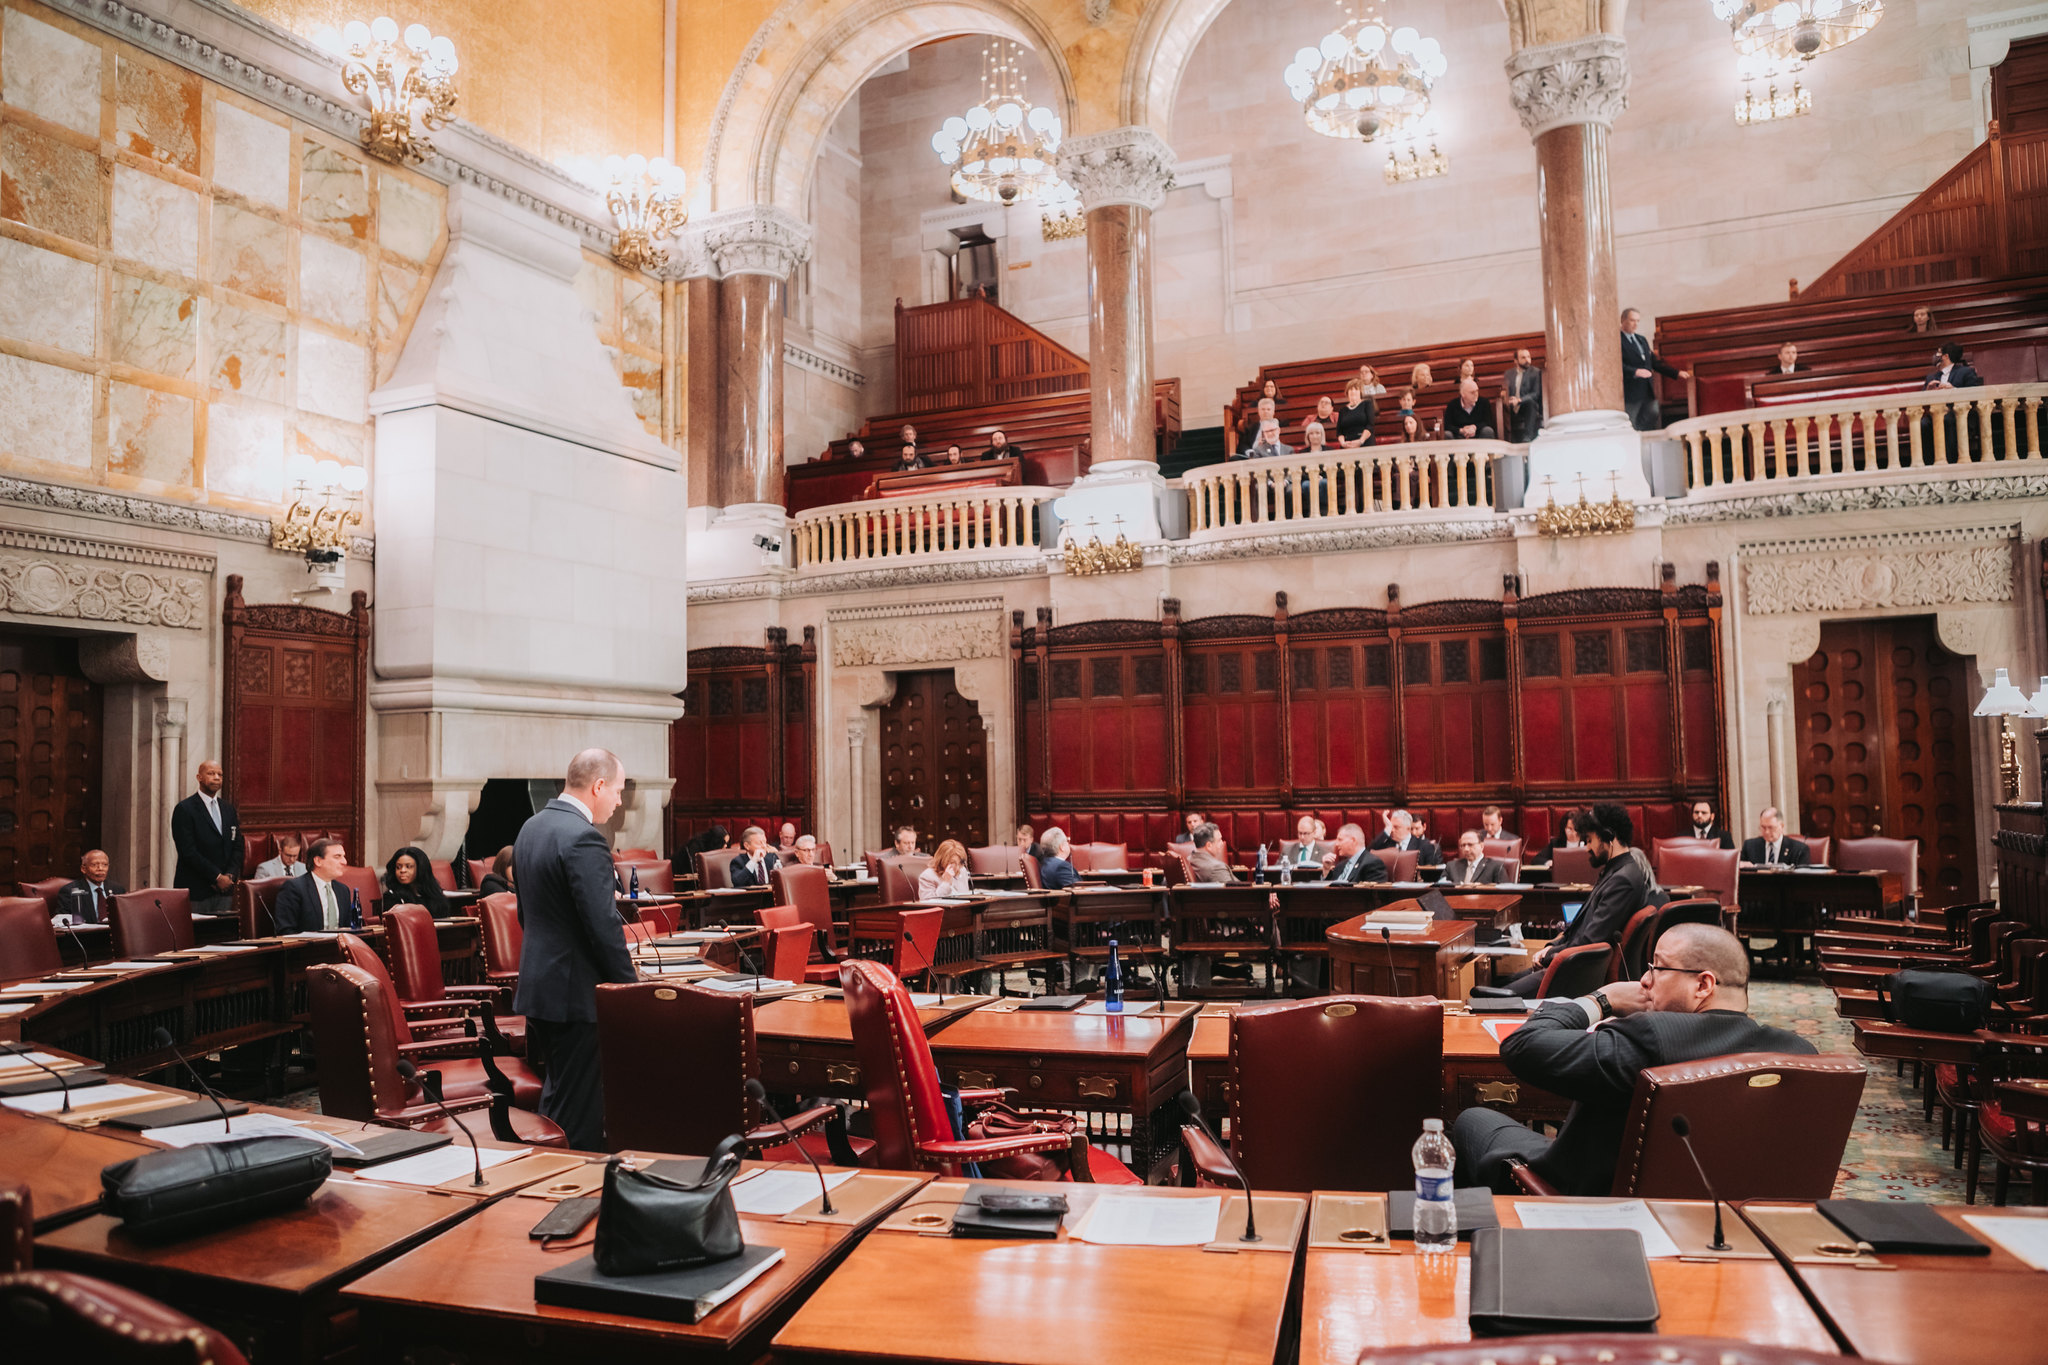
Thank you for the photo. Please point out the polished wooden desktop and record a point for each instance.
(1434, 960)
(60, 1165)
(468, 1293)
(907, 1296)
(1355, 1301)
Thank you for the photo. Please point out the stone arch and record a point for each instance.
(806, 61)
(1167, 36)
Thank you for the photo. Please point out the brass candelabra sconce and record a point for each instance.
(646, 199)
(1094, 557)
(327, 504)
(410, 89)
(1584, 518)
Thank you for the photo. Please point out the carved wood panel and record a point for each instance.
(741, 752)
(50, 718)
(934, 762)
(1882, 715)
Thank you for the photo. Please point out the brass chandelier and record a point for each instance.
(1801, 29)
(1004, 148)
(1362, 80)
(646, 200)
(410, 92)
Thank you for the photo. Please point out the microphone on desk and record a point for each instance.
(1387, 938)
(747, 960)
(21, 1050)
(165, 916)
(931, 972)
(84, 958)
(162, 1038)
(407, 1071)
(1683, 1127)
(759, 1094)
(1192, 1107)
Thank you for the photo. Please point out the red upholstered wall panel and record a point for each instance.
(1543, 734)
(740, 752)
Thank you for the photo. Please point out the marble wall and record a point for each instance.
(193, 289)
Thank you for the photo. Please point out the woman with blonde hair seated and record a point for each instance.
(1420, 377)
(946, 875)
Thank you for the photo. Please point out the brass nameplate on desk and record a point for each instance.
(1806, 1237)
(1350, 1222)
(1691, 1225)
(857, 1200)
(1279, 1223)
(931, 1213)
(578, 1184)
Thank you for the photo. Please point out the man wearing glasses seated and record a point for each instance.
(1692, 1002)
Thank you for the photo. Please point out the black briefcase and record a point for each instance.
(1935, 999)
(176, 1193)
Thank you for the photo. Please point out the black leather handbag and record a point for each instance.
(176, 1193)
(1935, 999)
(647, 1222)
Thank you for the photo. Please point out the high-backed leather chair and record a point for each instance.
(635, 855)
(1032, 879)
(157, 919)
(17, 1227)
(1504, 849)
(1605, 1348)
(369, 890)
(46, 891)
(254, 903)
(504, 937)
(61, 1315)
(917, 943)
(714, 869)
(807, 892)
(361, 1037)
(1765, 1125)
(994, 860)
(480, 868)
(657, 875)
(1327, 1094)
(1631, 955)
(1571, 866)
(1883, 855)
(1700, 911)
(1818, 846)
(258, 847)
(1103, 857)
(899, 876)
(28, 941)
(789, 952)
(1716, 869)
(1658, 846)
(414, 950)
(912, 1130)
(662, 1097)
(444, 873)
(1576, 971)
(1173, 866)
(1400, 863)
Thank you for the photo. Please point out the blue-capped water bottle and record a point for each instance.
(1436, 1216)
(1113, 983)
(634, 889)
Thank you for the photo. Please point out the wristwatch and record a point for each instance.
(1606, 1006)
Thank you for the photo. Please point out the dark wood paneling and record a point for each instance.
(934, 762)
(50, 717)
(741, 752)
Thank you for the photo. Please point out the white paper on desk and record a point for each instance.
(314, 933)
(2026, 1238)
(1130, 1007)
(1132, 1220)
(440, 1165)
(700, 936)
(774, 1193)
(26, 1061)
(765, 983)
(52, 1101)
(126, 966)
(241, 1126)
(690, 968)
(226, 948)
(41, 987)
(21, 1008)
(1632, 1214)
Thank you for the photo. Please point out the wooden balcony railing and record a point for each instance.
(970, 523)
(1303, 490)
(1945, 432)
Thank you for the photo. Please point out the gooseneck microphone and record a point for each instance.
(84, 958)
(759, 1094)
(21, 1050)
(748, 961)
(1683, 1127)
(162, 1038)
(1192, 1107)
(165, 916)
(931, 972)
(408, 1071)
(1387, 940)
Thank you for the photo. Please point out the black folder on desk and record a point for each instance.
(670, 1295)
(171, 1115)
(1530, 1281)
(1904, 1228)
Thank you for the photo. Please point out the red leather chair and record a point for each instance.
(773, 917)
(1883, 855)
(257, 849)
(1779, 1139)
(1715, 869)
(1630, 956)
(361, 1035)
(504, 937)
(1327, 1094)
(805, 893)
(61, 1315)
(1103, 857)
(154, 920)
(630, 855)
(1818, 847)
(917, 943)
(1032, 880)
(789, 951)
(45, 890)
(17, 1227)
(714, 869)
(254, 902)
(444, 873)
(28, 941)
(480, 868)
(1571, 866)
(657, 875)
(1507, 850)
(911, 1128)
(665, 1098)
(1575, 971)
(1401, 863)
(415, 953)
(1173, 865)
(1686, 912)
(899, 877)
(1658, 846)
(369, 890)
(994, 860)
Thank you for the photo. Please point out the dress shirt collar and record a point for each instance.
(583, 809)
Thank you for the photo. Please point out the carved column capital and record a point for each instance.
(755, 239)
(1131, 165)
(1582, 81)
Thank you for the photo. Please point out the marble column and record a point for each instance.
(1122, 175)
(1568, 95)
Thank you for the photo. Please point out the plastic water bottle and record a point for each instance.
(1436, 1217)
(1262, 864)
(635, 891)
(1113, 984)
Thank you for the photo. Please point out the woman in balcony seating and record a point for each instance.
(409, 880)
(1355, 418)
(1420, 377)
(946, 874)
(1923, 321)
(1369, 382)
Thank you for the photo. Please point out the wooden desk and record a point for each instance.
(468, 1293)
(61, 1165)
(1931, 1310)
(1352, 1301)
(941, 477)
(1431, 961)
(1794, 905)
(913, 1297)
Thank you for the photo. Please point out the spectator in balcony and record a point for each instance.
(999, 448)
(1355, 418)
(1788, 360)
(1269, 442)
(1271, 389)
(1640, 367)
(1923, 321)
(1369, 382)
(1950, 370)
(1312, 436)
(856, 448)
(909, 460)
(908, 436)
(1420, 377)
(1521, 388)
(1468, 370)
(953, 454)
(1265, 411)
(1465, 416)
(1326, 413)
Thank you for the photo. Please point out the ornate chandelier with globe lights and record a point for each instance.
(1005, 148)
(1796, 29)
(1364, 79)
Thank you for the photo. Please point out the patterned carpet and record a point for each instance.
(1893, 1153)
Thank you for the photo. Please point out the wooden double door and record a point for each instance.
(934, 762)
(50, 719)
(1884, 746)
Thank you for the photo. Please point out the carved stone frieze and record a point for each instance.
(1999, 487)
(916, 640)
(1582, 81)
(1860, 577)
(1352, 538)
(754, 239)
(1122, 166)
(34, 584)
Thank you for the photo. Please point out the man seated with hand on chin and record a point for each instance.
(1692, 1002)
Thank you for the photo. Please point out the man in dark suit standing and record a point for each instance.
(320, 900)
(1774, 849)
(755, 859)
(1472, 867)
(1521, 389)
(1706, 824)
(1692, 1002)
(209, 841)
(89, 899)
(1619, 890)
(1351, 863)
(574, 941)
(1640, 367)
